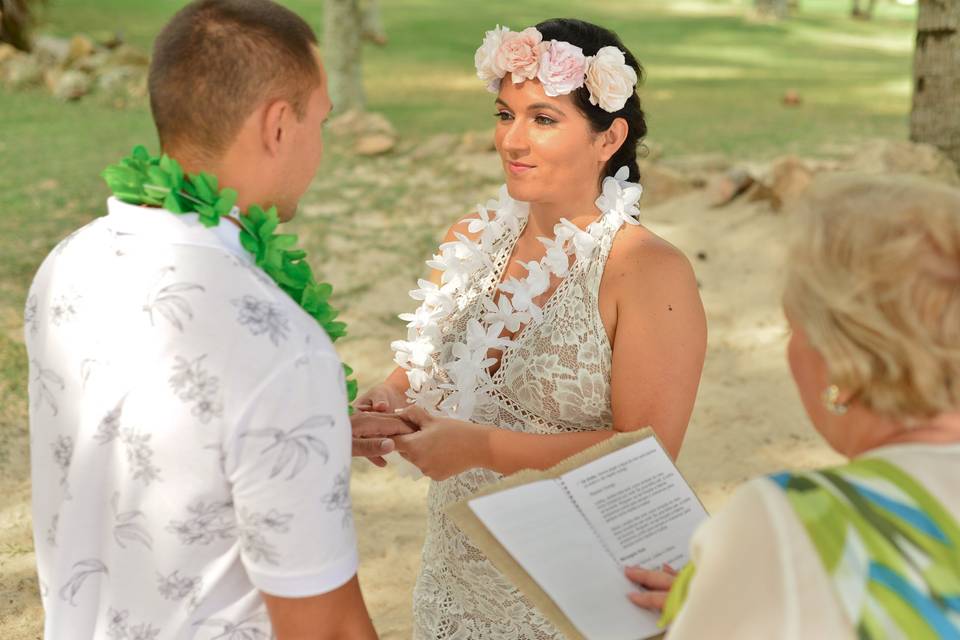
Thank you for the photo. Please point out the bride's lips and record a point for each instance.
(519, 168)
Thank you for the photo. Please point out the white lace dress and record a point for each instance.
(555, 378)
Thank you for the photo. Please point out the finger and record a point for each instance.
(415, 416)
(650, 579)
(372, 424)
(378, 461)
(652, 600)
(381, 406)
(668, 569)
(372, 447)
(405, 443)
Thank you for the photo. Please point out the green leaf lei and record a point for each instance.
(142, 179)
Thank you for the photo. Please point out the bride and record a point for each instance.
(552, 318)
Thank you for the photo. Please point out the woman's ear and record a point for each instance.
(274, 123)
(613, 138)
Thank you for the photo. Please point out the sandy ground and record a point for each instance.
(372, 239)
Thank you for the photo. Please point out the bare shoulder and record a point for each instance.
(462, 227)
(639, 254)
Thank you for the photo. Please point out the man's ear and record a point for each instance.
(613, 138)
(275, 121)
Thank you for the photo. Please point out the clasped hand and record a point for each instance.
(439, 447)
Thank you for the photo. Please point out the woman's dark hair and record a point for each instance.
(591, 38)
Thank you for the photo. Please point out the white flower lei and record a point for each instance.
(454, 388)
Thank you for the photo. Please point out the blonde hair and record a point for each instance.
(873, 278)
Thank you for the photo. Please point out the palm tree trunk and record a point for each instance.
(935, 118)
(342, 32)
(772, 8)
(16, 19)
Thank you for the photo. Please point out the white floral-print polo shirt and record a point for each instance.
(190, 444)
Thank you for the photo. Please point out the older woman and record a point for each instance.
(870, 549)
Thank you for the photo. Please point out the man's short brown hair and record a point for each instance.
(217, 60)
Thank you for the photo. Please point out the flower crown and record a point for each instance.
(559, 66)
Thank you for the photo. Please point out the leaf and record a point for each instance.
(180, 287)
(82, 570)
(228, 198)
(286, 455)
(169, 313)
(132, 532)
(170, 203)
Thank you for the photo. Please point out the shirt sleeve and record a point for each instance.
(757, 576)
(288, 462)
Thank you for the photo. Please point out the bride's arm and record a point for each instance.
(659, 343)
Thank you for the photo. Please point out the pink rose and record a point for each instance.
(519, 54)
(562, 67)
(486, 58)
(610, 79)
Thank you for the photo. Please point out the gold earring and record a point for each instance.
(831, 400)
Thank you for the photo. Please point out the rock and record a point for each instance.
(661, 184)
(791, 98)
(80, 47)
(789, 178)
(650, 150)
(486, 166)
(360, 123)
(94, 63)
(23, 71)
(759, 192)
(120, 79)
(51, 77)
(434, 146)
(72, 85)
(108, 39)
(723, 189)
(8, 52)
(51, 51)
(476, 142)
(374, 144)
(901, 156)
(127, 56)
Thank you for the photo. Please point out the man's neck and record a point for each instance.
(229, 173)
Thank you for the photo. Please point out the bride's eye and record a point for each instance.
(503, 116)
(544, 120)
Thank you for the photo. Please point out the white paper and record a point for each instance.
(576, 549)
(639, 505)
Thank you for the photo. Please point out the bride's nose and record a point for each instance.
(515, 141)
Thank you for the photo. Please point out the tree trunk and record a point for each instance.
(936, 70)
(772, 8)
(373, 30)
(863, 14)
(16, 19)
(342, 32)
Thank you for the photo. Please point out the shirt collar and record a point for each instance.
(183, 228)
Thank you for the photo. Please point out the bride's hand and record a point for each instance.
(442, 447)
(656, 585)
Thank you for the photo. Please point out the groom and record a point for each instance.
(190, 440)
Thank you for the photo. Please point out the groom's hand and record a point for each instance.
(371, 435)
(382, 398)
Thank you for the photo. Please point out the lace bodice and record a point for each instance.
(555, 378)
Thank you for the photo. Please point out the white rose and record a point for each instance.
(610, 79)
(486, 58)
